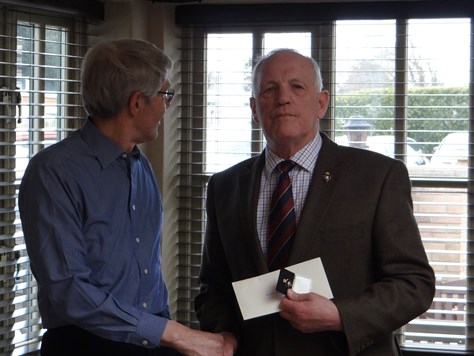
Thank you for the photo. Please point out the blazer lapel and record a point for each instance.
(249, 188)
(320, 192)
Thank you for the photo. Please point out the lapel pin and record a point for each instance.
(327, 176)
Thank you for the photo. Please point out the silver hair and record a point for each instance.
(112, 71)
(258, 67)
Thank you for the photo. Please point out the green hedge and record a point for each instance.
(431, 112)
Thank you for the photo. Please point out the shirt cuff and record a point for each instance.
(150, 329)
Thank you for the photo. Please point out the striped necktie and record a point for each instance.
(282, 219)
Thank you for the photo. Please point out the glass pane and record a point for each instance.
(438, 97)
(301, 41)
(55, 60)
(228, 115)
(365, 79)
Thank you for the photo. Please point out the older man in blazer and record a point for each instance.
(352, 208)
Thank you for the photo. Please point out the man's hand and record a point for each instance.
(190, 342)
(310, 312)
(230, 343)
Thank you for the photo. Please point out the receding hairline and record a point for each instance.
(286, 51)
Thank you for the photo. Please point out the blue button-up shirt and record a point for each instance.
(92, 220)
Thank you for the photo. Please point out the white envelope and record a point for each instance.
(257, 296)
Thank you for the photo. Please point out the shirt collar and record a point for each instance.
(106, 150)
(305, 158)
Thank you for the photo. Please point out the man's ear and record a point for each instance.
(135, 103)
(323, 103)
(253, 107)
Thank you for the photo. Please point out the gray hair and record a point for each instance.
(258, 67)
(112, 71)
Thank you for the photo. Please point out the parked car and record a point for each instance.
(453, 150)
(386, 146)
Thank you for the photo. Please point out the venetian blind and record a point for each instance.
(399, 86)
(40, 60)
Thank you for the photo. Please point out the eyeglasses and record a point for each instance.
(168, 95)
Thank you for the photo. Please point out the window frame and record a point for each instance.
(21, 331)
(227, 21)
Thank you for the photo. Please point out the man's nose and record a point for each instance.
(283, 96)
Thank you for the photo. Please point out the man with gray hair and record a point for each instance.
(92, 218)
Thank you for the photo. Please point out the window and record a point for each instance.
(398, 86)
(434, 109)
(40, 62)
(228, 136)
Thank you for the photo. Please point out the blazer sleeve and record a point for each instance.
(403, 282)
(215, 304)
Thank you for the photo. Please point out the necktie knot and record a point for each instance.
(286, 166)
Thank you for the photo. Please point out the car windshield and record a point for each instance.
(385, 145)
(453, 150)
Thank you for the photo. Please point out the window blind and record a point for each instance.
(40, 60)
(393, 90)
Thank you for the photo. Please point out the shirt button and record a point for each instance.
(124, 155)
(137, 240)
(133, 207)
(145, 342)
(145, 271)
(144, 305)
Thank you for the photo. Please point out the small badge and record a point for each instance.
(327, 176)
(285, 281)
